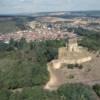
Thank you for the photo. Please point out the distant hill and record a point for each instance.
(12, 23)
(69, 14)
(93, 13)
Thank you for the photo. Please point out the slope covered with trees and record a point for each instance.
(23, 66)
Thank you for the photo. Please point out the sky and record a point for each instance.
(32, 6)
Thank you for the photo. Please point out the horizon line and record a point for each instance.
(25, 13)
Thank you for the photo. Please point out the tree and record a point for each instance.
(76, 92)
(4, 94)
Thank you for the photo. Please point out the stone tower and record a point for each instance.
(72, 45)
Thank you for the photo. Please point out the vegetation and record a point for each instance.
(66, 92)
(76, 92)
(72, 66)
(97, 89)
(24, 64)
(89, 39)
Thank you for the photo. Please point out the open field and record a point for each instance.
(8, 26)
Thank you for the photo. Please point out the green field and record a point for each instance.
(8, 26)
(14, 24)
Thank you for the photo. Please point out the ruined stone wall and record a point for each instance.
(57, 64)
(67, 57)
(73, 47)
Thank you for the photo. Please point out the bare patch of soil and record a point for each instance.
(89, 74)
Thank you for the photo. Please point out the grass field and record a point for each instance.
(14, 24)
(8, 26)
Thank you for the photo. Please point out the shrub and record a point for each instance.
(76, 92)
(96, 88)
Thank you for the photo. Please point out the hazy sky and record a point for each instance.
(28, 6)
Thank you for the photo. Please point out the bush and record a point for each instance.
(65, 92)
(72, 66)
(90, 39)
(76, 92)
(96, 88)
(4, 94)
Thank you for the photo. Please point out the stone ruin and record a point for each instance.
(71, 54)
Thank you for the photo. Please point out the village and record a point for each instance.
(51, 28)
